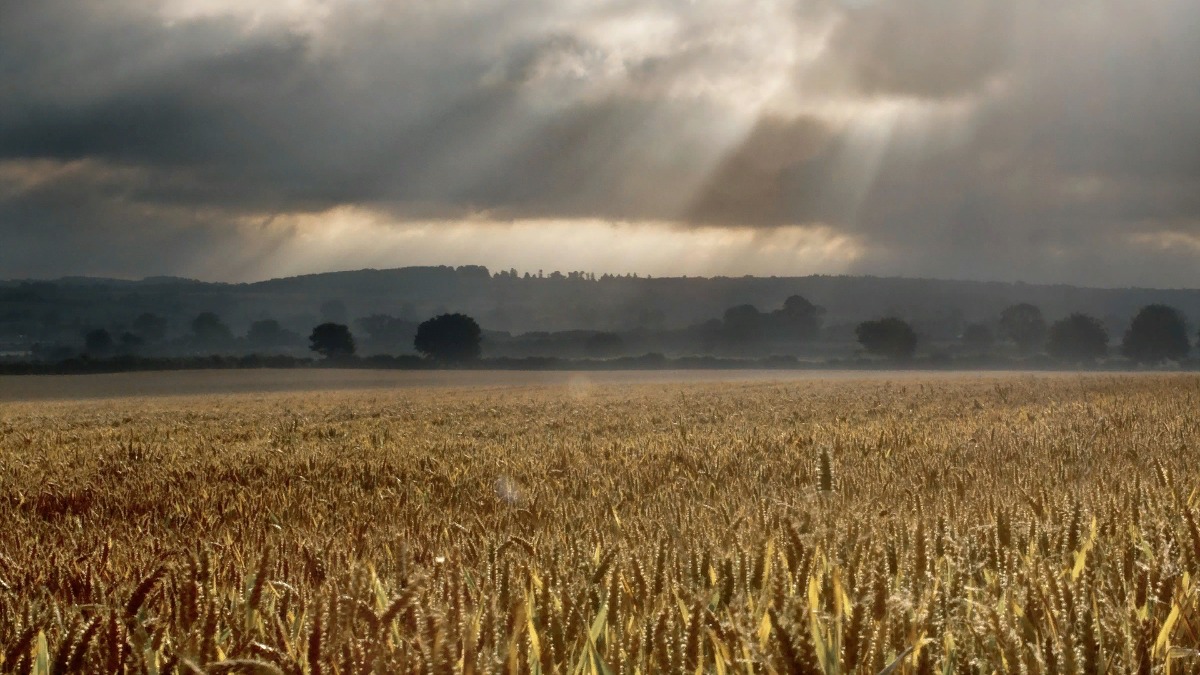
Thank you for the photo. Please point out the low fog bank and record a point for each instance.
(550, 315)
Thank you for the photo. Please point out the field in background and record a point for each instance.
(833, 524)
(265, 380)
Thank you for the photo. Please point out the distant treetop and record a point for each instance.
(331, 340)
(1158, 333)
(209, 329)
(891, 337)
(1023, 324)
(449, 338)
(1078, 338)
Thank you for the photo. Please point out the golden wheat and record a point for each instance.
(981, 524)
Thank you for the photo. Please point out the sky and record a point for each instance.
(1009, 140)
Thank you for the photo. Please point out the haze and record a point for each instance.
(975, 139)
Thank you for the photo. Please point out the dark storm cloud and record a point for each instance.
(419, 110)
(82, 218)
(1035, 141)
(257, 118)
(926, 48)
(1084, 158)
(777, 175)
(979, 138)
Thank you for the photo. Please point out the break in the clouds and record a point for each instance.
(996, 139)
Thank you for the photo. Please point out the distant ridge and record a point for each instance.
(567, 301)
(474, 270)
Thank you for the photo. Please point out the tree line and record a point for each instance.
(1157, 333)
(447, 337)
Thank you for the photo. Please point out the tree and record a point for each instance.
(268, 333)
(331, 340)
(799, 318)
(131, 343)
(1078, 337)
(209, 329)
(98, 342)
(889, 337)
(449, 337)
(150, 327)
(601, 345)
(743, 323)
(387, 332)
(1024, 325)
(1158, 333)
(979, 337)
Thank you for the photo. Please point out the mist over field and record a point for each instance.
(570, 316)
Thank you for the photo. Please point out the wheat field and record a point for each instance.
(971, 524)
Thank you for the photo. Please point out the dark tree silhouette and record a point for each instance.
(131, 343)
(600, 345)
(449, 337)
(150, 327)
(742, 324)
(1158, 333)
(979, 337)
(387, 332)
(98, 342)
(331, 340)
(209, 329)
(1024, 325)
(268, 333)
(1079, 338)
(799, 319)
(889, 337)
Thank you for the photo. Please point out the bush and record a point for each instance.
(449, 338)
(1078, 338)
(890, 337)
(1158, 333)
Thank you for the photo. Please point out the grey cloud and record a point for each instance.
(387, 113)
(1032, 140)
(1061, 140)
(82, 219)
(923, 48)
(780, 174)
